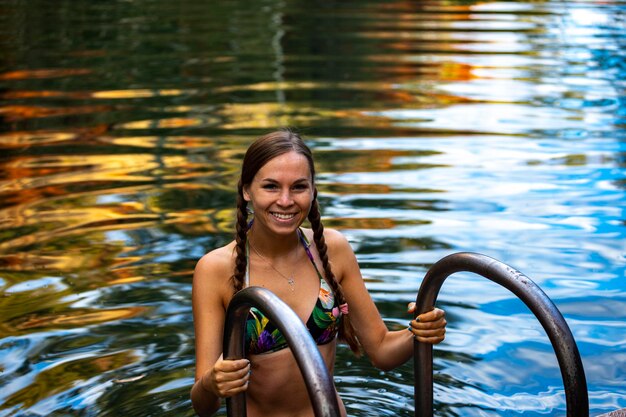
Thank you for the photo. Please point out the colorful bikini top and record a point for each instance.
(263, 336)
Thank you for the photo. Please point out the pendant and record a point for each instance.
(291, 282)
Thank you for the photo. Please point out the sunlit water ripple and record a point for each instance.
(438, 127)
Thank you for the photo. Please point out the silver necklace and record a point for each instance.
(289, 279)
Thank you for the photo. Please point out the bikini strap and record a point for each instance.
(306, 244)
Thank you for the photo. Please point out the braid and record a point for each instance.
(240, 239)
(346, 331)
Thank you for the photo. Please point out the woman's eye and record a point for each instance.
(269, 186)
(300, 187)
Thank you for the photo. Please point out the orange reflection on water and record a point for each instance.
(15, 113)
(37, 261)
(200, 222)
(19, 139)
(127, 280)
(67, 169)
(456, 71)
(11, 95)
(349, 188)
(110, 95)
(174, 122)
(374, 223)
(167, 142)
(78, 318)
(354, 189)
(43, 73)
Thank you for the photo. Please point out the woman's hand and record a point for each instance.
(429, 327)
(227, 378)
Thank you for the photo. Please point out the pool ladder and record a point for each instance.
(319, 382)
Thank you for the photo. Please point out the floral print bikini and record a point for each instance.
(262, 336)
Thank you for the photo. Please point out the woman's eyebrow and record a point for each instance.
(303, 179)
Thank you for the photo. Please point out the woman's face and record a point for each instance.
(281, 193)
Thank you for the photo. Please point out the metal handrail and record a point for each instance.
(543, 308)
(318, 380)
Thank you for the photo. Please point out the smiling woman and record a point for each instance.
(278, 183)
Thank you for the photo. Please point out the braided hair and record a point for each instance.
(258, 154)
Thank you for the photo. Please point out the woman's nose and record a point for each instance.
(285, 198)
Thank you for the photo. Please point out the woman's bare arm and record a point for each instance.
(385, 349)
(215, 377)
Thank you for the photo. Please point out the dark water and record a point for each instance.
(439, 127)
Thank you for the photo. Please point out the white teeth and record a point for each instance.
(283, 216)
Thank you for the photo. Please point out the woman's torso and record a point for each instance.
(276, 385)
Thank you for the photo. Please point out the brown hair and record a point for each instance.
(260, 152)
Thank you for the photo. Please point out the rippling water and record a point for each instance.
(493, 127)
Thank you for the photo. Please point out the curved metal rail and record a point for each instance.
(318, 381)
(544, 309)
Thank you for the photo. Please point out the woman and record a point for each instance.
(313, 270)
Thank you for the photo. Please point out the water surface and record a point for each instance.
(439, 127)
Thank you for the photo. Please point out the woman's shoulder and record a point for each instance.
(216, 266)
(335, 239)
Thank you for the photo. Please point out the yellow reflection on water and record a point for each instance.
(138, 93)
(79, 318)
(78, 221)
(269, 115)
(304, 85)
(44, 259)
(195, 143)
(201, 222)
(18, 139)
(62, 170)
(174, 122)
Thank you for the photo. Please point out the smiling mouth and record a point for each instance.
(283, 216)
